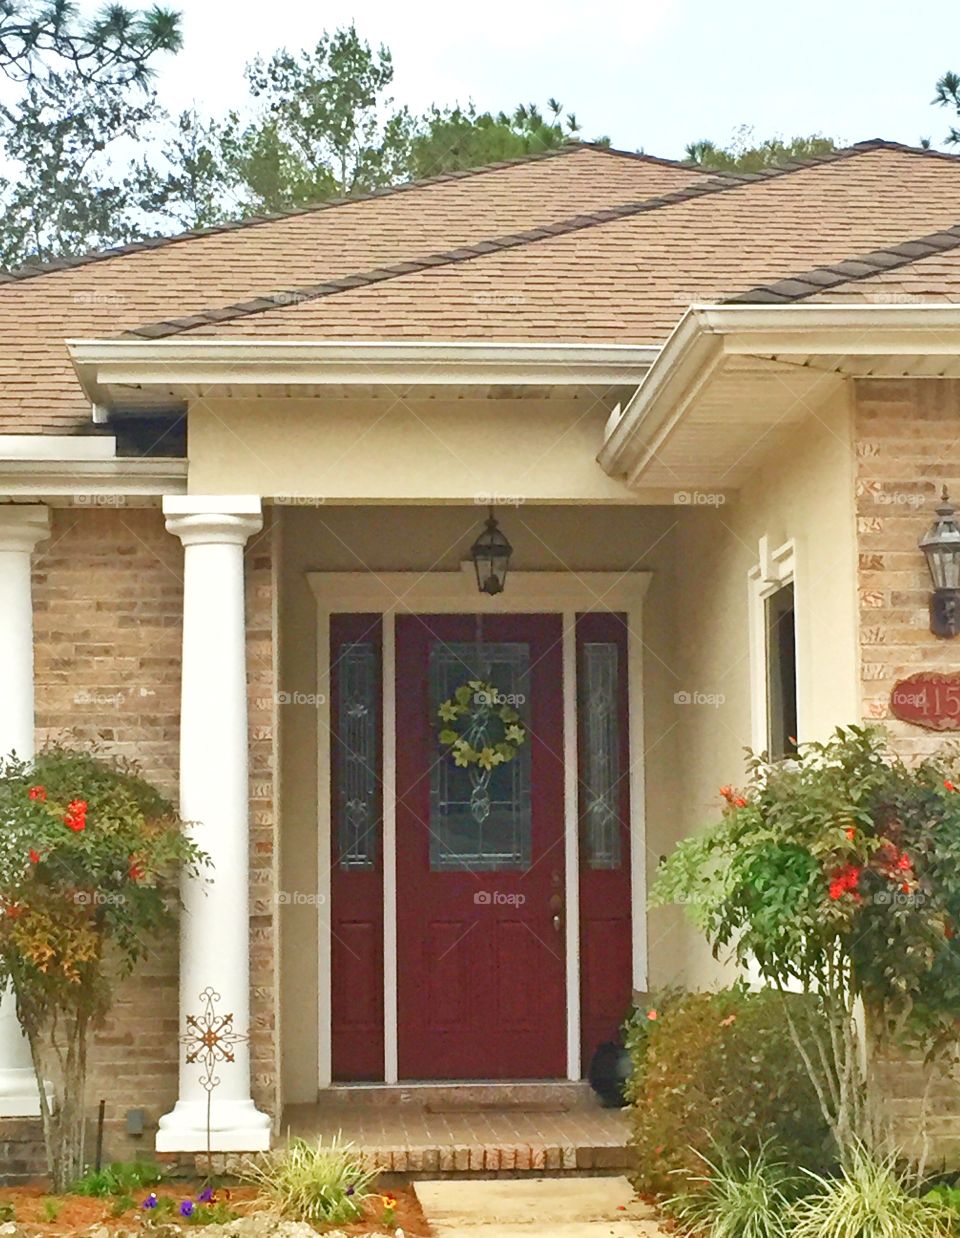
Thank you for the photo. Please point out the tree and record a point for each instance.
(118, 45)
(454, 139)
(89, 863)
(947, 94)
(838, 872)
(67, 195)
(327, 126)
(746, 154)
(83, 87)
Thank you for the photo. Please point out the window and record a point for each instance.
(773, 652)
(781, 660)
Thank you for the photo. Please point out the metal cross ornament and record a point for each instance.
(210, 1038)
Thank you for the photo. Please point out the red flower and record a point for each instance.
(652, 1016)
(739, 802)
(136, 870)
(904, 862)
(905, 887)
(76, 818)
(38, 793)
(34, 856)
(844, 881)
(851, 833)
(949, 785)
(727, 793)
(12, 910)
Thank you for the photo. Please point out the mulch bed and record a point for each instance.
(78, 1213)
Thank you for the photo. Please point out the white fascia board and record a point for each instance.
(189, 362)
(708, 333)
(88, 480)
(57, 447)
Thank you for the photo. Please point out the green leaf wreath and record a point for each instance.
(469, 717)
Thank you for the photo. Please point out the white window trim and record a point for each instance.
(775, 569)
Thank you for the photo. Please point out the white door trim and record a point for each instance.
(565, 593)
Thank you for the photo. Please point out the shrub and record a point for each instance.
(120, 1178)
(90, 858)
(749, 1199)
(310, 1182)
(716, 1074)
(868, 1200)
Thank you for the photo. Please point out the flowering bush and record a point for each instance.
(838, 872)
(715, 1074)
(89, 860)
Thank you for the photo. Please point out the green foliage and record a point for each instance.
(311, 1182)
(119, 1178)
(838, 871)
(947, 94)
(744, 1198)
(868, 1200)
(121, 1204)
(746, 154)
(7, 1212)
(715, 1073)
(948, 1198)
(51, 1209)
(453, 139)
(90, 859)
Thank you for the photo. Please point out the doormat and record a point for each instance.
(497, 1106)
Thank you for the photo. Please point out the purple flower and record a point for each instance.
(350, 1190)
(150, 1201)
(206, 1195)
(186, 1208)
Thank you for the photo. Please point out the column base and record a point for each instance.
(235, 1126)
(19, 1095)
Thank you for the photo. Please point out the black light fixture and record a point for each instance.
(491, 557)
(941, 545)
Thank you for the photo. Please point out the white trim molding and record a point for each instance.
(565, 593)
(774, 569)
(186, 362)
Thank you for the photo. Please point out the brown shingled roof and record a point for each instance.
(105, 294)
(585, 244)
(628, 276)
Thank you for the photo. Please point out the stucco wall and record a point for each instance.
(804, 492)
(403, 446)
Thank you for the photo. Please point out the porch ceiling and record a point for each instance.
(733, 382)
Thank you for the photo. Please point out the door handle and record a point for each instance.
(556, 906)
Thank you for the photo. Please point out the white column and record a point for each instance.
(22, 526)
(214, 796)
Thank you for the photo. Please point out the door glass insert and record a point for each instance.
(480, 820)
(600, 753)
(356, 741)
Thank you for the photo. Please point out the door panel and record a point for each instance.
(356, 851)
(480, 962)
(605, 888)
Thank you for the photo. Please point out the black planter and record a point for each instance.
(609, 1071)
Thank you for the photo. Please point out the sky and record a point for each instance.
(650, 74)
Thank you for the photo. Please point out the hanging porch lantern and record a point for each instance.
(491, 557)
(941, 545)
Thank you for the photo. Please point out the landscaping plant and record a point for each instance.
(869, 1199)
(748, 1197)
(90, 857)
(715, 1073)
(837, 872)
(312, 1182)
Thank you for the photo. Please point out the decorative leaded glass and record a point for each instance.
(600, 748)
(357, 798)
(480, 820)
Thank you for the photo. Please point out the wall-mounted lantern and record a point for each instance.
(491, 557)
(941, 545)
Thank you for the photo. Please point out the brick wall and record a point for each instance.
(906, 434)
(108, 598)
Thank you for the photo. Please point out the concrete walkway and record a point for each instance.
(536, 1208)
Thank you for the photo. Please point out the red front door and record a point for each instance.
(480, 860)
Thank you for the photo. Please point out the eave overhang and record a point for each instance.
(129, 373)
(734, 380)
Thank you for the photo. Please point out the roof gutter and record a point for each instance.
(708, 335)
(204, 361)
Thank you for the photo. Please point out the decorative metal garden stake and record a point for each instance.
(210, 1039)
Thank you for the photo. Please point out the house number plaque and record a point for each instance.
(928, 699)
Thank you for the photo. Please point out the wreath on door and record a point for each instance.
(480, 728)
